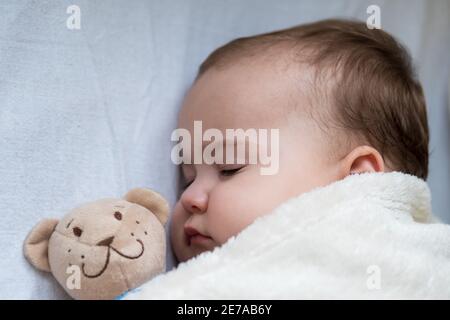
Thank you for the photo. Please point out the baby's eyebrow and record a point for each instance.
(225, 144)
(222, 142)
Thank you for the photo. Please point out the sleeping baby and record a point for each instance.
(344, 99)
(346, 214)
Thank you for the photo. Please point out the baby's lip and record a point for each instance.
(191, 232)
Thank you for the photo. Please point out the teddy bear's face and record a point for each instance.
(106, 241)
(103, 248)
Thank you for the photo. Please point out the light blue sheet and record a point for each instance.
(88, 113)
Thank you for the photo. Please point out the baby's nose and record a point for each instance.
(106, 242)
(194, 201)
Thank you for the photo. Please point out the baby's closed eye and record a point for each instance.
(230, 171)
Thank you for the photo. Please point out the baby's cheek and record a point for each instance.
(240, 205)
(177, 234)
(229, 216)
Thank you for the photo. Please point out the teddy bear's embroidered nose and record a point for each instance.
(105, 242)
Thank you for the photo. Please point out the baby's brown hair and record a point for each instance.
(369, 80)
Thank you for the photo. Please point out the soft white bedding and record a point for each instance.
(368, 236)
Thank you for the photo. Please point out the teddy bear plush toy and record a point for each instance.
(103, 248)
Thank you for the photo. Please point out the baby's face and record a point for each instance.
(222, 199)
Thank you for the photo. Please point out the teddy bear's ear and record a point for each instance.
(151, 200)
(35, 247)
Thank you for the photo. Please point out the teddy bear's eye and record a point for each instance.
(118, 215)
(77, 231)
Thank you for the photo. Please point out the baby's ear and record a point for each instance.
(151, 200)
(35, 247)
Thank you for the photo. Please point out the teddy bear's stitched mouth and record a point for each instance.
(131, 257)
(108, 255)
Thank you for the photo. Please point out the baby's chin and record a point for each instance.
(188, 253)
(183, 251)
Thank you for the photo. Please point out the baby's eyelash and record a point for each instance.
(223, 172)
(229, 172)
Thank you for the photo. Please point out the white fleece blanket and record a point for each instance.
(367, 236)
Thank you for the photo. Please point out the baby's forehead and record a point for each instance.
(247, 95)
